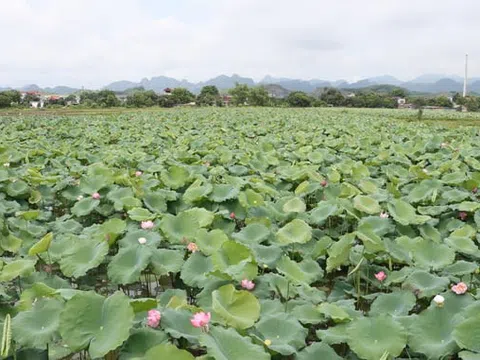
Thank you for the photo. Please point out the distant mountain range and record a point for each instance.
(427, 83)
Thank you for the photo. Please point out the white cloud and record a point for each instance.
(91, 43)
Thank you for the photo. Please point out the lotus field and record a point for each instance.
(238, 234)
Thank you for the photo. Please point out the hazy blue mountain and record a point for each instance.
(224, 82)
(31, 87)
(61, 90)
(121, 85)
(360, 84)
(276, 91)
(385, 80)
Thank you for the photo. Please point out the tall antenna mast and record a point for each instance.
(466, 76)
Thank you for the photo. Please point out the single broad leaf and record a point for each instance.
(398, 303)
(197, 192)
(334, 334)
(143, 304)
(467, 355)
(84, 207)
(430, 255)
(10, 243)
(467, 334)
(41, 246)
(235, 260)
(180, 227)
(294, 205)
(425, 284)
(304, 272)
(89, 321)
(239, 309)
(285, 334)
(84, 255)
(318, 351)
(223, 192)
(165, 261)
(339, 252)
(366, 204)
(37, 326)
(227, 344)
(296, 231)
(334, 312)
(402, 212)
(322, 212)
(167, 351)
(140, 214)
(127, 265)
(252, 234)
(195, 269)
(17, 268)
(176, 177)
(140, 341)
(176, 323)
(209, 242)
(370, 338)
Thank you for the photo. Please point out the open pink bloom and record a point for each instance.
(247, 284)
(232, 215)
(96, 196)
(384, 215)
(192, 247)
(462, 215)
(153, 318)
(380, 276)
(147, 225)
(201, 320)
(460, 288)
(138, 173)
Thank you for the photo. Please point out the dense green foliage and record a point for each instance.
(348, 223)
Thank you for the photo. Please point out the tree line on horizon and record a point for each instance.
(243, 95)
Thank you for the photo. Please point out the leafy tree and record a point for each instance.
(142, 99)
(102, 98)
(299, 99)
(209, 95)
(181, 96)
(9, 97)
(333, 97)
(419, 102)
(398, 92)
(240, 94)
(259, 96)
(166, 101)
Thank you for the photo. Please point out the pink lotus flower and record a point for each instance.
(380, 276)
(192, 247)
(460, 289)
(147, 225)
(248, 284)
(153, 318)
(384, 215)
(232, 215)
(201, 320)
(138, 173)
(324, 183)
(96, 196)
(462, 215)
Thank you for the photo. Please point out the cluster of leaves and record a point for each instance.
(288, 199)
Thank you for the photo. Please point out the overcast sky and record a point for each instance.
(94, 42)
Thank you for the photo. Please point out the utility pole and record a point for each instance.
(466, 76)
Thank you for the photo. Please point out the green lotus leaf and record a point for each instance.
(165, 261)
(370, 338)
(334, 334)
(176, 177)
(209, 242)
(454, 178)
(156, 202)
(285, 333)
(84, 207)
(306, 314)
(372, 242)
(467, 334)
(182, 226)
(167, 351)
(339, 252)
(140, 341)
(143, 304)
(397, 303)
(334, 312)
(68, 226)
(322, 212)
(468, 206)
(366, 204)
(318, 351)
(239, 309)
(227, 344)
(467, 355)
(127, 265)
(295, 205)
(37, 291)
(195, 269)
(82, 256)
(304, 272)
(197, 192)
(10, 243)
(176, 323)
(252, 234)
(28, 215)
(250, 198)
(203, 216)
(17, 268)
(235, 260)
(425, 284)
(430, 255)
(3, 175)
(296, 231)
(461, 268)
(96, 181)
(455, 196)
(140, 214)
(37, 326)
(41, 246)
(18, 189)
(89, 321)
(223, 192)
(152, 238)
